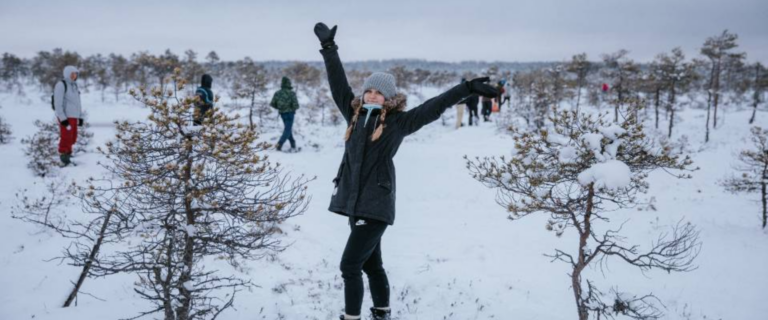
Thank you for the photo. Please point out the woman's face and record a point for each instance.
(373, 96)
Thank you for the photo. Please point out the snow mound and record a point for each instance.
(612, 174)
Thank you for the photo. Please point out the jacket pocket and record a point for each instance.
(382, 178)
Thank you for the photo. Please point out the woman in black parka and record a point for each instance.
(365, 182)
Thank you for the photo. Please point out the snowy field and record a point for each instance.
(451, 253)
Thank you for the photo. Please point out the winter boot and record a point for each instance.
(378, 314)
(65, 159)
(279, 147)
(293, 150)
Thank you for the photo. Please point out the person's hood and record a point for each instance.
(68, 71)
(207, 81)
(396, 104)
(286, 83)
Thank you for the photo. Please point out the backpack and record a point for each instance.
(53, 105)
(206, 99)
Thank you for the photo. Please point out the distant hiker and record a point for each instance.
(205, 100)
(471, 103)
(365, 181)
(66, 104)
(502, 97)
(487, 108)
(286, 103)
(460, 110)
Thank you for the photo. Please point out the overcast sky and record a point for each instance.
(445, 30)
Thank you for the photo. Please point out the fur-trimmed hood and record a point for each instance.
(396, 104)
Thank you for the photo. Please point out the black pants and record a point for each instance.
(473, 114)
(487, 106)
(363, 253)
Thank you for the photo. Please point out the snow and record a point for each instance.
(555, 138)
(593, 141)
(191, 230)
(612, 131)
(612, 148)
(452, 253)
(612, 174)
(188, 285)
(568, 154)
(192, 129)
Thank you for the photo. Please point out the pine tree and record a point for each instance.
(580, 67)
(47, 66)
(621, 72)
(758, 85)
(183, 194)
(577, 173)
(534, 95)
(250, 82)
(675, 76)
(12, 72)
(304, 77)
(120, 70)
(719, 50)
(192, 69)
(754, 171)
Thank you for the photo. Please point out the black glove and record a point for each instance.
(80, 122)
(325, 35)
(65, 123)
(480, 87)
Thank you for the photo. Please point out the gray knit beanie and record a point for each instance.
(383, 82)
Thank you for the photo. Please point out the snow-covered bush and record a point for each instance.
(577, 172)
(41, 149)
(5, 131)
(84, 136)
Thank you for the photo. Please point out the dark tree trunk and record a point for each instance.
(671, 109)
(89, 262)
(657, 101)
(756, 94)
(185, 303)
(709, 100)
(583, 260)
(716, 98)
(765, 202)
(578, 99)
(250, 111)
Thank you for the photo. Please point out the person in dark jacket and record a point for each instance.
(205, 99)
(472, 102)
(365, 181)
(286, 103)
(487, 108)
(503, 96)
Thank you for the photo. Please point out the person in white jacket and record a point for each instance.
(66, 103)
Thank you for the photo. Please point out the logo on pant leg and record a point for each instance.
(360, 222)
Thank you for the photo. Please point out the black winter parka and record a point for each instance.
(365, 182)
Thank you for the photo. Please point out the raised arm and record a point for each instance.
(337, 78)
(431, 110)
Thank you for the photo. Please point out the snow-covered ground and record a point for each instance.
(451, 254)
